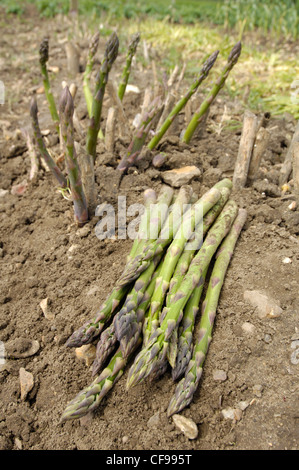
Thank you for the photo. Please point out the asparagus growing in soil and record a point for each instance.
(110, 55)
(140, 136)
(41, 145)
(90, 397)
(66, 111)
(43, 59)
(94, 43)
(152, 357)
(126, 321)
(127, 69)
(92, 328)
(187, 386)
(199, 114)
(204, 72)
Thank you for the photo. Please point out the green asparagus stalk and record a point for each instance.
(156, 246)
(90, 397)
(179, 356)
(174, 251)
(43, 59)
(109, 337)
(204, 72)
(140, 136)
(152, 357)
(127, 69)
(92, 328)
(105, 347)
(179, 338)
(199, 114)
(187, 386)
(42, 148)
(94, 43)
(125, 323)
(66, 111)
(110, 55)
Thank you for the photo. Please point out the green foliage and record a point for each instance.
(276, 16)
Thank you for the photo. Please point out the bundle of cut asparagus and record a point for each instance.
(155, 302)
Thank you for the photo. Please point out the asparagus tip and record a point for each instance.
(210, 61)
(66, 104)
(44, 51)
(33, 107)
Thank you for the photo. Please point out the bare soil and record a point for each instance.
(37, 231)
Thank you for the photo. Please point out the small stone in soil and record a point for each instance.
(186, 426)
(26, 382)
(86, 353)
(219, 375)
(248, 328)
(266, 307)
(180, 176)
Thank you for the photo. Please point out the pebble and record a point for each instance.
(26, 382)
(86, 353)
(125, 439)
(232, 413)
(19, 189)
(248, 328)
(44, 305)
(295, 354)
(257, 390)
(3, 192)
(267, 338)
(21, 348)
(186, 426)
(266, 307)
(83, 231)
(220, 375)
(18, 443)
(180, 176)
(154, 420)
(286, 260)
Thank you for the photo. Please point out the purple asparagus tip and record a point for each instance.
(235, 52)
(66, 104)
(44, 51)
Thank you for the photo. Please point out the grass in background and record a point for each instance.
(184, 30)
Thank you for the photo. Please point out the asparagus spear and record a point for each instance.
(180, 355)
(153, 355)
(179, 339)
(108, 339)
(174, 251)
(187, 386)
(140, 135)
(204, 72)
(92, 328)
(66, 111)
(199, 114)
(127, 69)
(41, 145)
(93, 46)
(90, 397)
(110, 55)
(43, 59)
